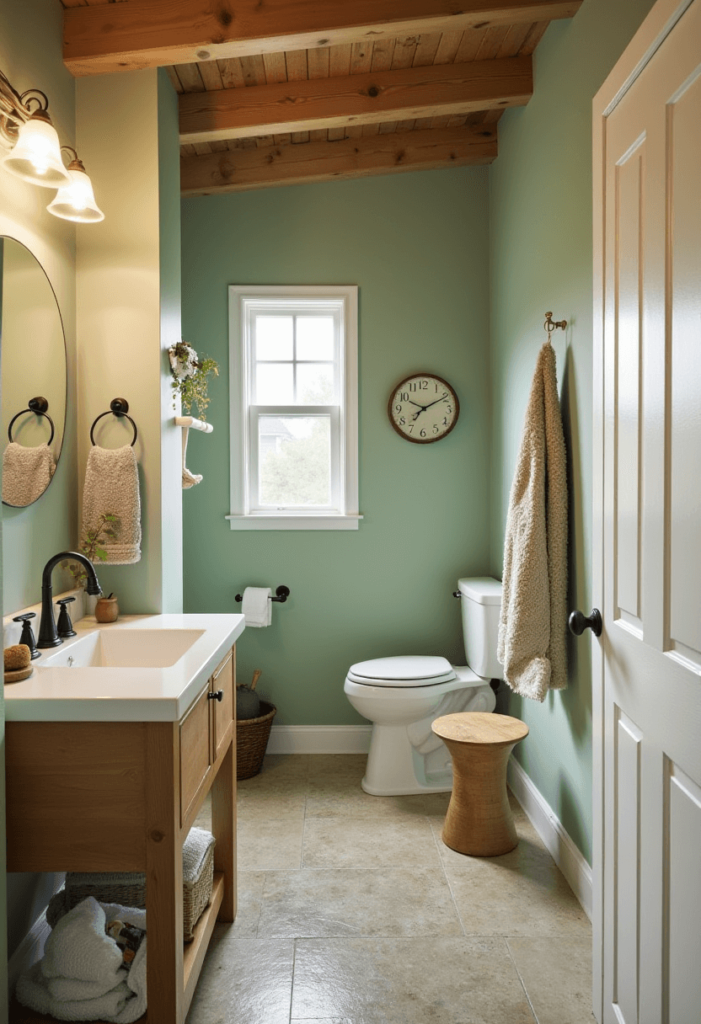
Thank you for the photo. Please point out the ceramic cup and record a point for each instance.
(107, 609)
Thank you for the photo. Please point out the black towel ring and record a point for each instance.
(39, 407)
(118, 407)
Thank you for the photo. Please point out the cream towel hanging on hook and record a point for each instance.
(533, 627)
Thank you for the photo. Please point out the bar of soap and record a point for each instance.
(16, 657)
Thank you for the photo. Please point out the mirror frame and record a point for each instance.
(11, 238)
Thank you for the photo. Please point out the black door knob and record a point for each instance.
(578, 622)
(216, 695)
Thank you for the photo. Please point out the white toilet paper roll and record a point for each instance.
(257, 606)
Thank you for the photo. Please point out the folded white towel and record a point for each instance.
(81, 976)
(112, 485)
(257, 606)
(195, 849)
(26, 473)
(533, 626)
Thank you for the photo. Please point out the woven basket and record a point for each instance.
(251, 740)
(129, 890)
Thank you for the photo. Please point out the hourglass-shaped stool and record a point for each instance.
(479, 820)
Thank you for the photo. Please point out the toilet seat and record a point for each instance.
(404, 671)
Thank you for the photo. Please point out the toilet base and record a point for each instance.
(413, 791)
(406, 760)
(394, 769)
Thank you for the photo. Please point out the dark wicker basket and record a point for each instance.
(252, 739)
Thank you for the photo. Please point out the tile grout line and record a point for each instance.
(447, 880)
(292, 980)
(518, 974)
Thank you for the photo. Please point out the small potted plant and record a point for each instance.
(91, 545)
(191, 377)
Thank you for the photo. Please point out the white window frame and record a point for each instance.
(342, 514)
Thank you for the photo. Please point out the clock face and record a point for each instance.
(423, 408)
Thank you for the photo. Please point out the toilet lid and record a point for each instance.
(409, 670)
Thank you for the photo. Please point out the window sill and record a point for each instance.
(292, 521)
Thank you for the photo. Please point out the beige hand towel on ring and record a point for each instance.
(533, 626)
(112, 486)
(26, 473)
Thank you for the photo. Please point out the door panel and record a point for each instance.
(682, 952)
(684, 161)
(628, 511)
(627, 768)
(650, 699)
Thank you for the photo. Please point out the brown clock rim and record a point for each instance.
(418, 440)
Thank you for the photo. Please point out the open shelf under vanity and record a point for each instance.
(122, 796)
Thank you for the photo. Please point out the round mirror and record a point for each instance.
(33, 376)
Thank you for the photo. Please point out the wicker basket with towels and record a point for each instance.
(129, 888)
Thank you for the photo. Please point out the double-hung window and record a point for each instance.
(294, 408)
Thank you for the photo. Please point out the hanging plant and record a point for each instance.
(190, 377)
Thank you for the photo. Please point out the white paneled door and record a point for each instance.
(647, 679)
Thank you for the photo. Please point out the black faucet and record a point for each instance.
(48, 637)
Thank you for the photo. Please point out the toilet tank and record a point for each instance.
(481, 606)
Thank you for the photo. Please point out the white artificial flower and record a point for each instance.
(183, 368)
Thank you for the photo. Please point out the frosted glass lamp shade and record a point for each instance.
(76, 200)
(36, 156)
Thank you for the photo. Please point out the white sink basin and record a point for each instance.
(124, 648)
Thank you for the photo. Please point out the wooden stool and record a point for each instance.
(479, 820)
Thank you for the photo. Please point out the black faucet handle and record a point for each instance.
(27, 636)
(65, 626)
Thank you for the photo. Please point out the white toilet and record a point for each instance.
(403, 696)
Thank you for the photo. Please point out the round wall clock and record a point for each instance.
(423, 408)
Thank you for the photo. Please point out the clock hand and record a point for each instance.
(434, 403)
(416, 403)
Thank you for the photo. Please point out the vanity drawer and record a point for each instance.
(195, 761)
(224, 680)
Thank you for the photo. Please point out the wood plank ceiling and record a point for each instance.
(370, 103)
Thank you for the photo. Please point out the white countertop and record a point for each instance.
(61, 694)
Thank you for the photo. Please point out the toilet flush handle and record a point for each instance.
(456, 593)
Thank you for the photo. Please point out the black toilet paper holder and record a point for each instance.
(282, 593)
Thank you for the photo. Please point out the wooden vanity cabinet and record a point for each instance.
(122, 796)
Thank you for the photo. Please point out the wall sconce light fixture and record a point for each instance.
(76, 201)
(36, 154)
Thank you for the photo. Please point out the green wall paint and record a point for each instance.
(416, 246)
(541, 258)
(33, 59)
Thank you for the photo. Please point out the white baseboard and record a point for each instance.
(559, 843)
(30, 949)
(319, 739)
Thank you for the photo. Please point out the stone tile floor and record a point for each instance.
(352, 911)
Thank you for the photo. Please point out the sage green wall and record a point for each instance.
(30, 55)
(541, 258)
(32, 58)
(416, 246)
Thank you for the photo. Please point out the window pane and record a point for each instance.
(315, 384)
(295, 460)
(274, 384)
(273, 337)
(315, 337)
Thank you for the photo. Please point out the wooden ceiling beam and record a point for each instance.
(370, 98)
(136, 34)
(243, 169)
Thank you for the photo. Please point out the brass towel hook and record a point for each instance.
(551, 325)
